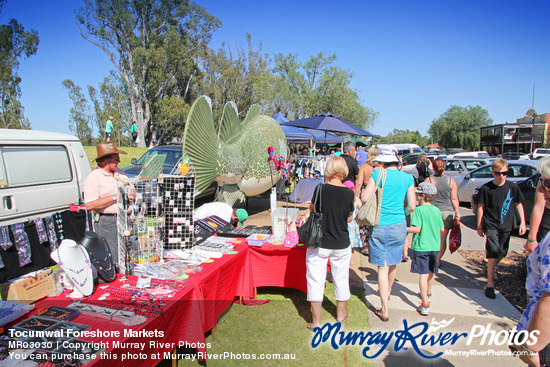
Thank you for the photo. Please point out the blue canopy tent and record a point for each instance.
(295, 134)
(319, 137)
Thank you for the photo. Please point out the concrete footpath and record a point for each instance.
(457, 298)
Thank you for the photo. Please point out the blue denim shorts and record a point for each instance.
(386, 244)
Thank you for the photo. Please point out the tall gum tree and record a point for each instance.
(154, 46)
(15, 44)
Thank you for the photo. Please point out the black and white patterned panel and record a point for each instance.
(177, 203)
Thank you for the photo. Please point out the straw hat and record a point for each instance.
(105, 149)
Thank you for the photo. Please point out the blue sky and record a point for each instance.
(411, 59)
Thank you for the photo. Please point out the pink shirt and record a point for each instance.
(99, 184)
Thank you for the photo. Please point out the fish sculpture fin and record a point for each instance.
(232, 194)
(201, 144)
(231, 127)
(253, 112)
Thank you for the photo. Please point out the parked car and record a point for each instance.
(460, 166)
(517, 171)
(527, 188)
(540, 153)
(173, 153)
(514, 156)
(479, 154)
(40, 173)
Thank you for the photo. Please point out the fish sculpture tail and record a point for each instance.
(201, 143)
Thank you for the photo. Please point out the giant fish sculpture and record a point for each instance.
(236, 156)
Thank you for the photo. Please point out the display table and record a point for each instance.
(278, 266)
(186, 317)
(221, 281)
(180, 323)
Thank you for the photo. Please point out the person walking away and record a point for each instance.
(423, 166)
(427, 226)
(495, 218)
(353, 227)
(133, 132)
(446, 201)
(108, 129)
(351, 162)
(100, 193)
(361, 155)
(336, 204)
(362, 179)
(388, 238)
(539, 225)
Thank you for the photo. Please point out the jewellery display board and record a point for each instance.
(155, 214)
(177, 200)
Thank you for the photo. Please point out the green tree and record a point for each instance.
(154, 45)
(305, 89)
(15, 44)
(112, 100)
(403, 137)
(230, 74)
(80, 120)
(458, 127)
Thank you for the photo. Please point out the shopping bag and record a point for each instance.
(455, 238)
(311, 232)
(369, 213)
(291, 237)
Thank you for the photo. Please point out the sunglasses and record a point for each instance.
(497, 173)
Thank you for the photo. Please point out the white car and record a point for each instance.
(479, 154)
(540, 153)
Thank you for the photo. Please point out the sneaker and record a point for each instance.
(490, 292)
(429, 297)
(424, 310)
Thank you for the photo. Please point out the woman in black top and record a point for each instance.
(336, 203)
(423, 166)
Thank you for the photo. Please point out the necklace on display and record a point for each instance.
(72, 273)
(59, 223)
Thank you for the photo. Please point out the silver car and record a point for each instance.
(461, 166)
(517, 171)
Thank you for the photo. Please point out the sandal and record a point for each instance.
(382, 318)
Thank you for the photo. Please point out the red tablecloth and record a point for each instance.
(181, 322)
(220, 282)
(278, 266)
(185, 318)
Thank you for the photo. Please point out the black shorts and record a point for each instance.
(424, 262)
(497, 243)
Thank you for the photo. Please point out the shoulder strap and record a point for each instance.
(382, 172)
(317, 199)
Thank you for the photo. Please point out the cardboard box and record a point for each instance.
(29, 289)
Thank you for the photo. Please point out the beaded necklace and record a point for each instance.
(76, 271)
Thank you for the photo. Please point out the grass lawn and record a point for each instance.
(125, 159)
(279, 327)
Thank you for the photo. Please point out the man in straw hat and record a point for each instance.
(100, 193)
(109, 129)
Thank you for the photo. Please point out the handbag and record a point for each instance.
(455, 238)
(311, 232)
(369, 213)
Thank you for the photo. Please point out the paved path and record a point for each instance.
(458, 295)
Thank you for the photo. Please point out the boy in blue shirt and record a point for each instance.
(427, 226)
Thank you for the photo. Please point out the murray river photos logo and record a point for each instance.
(417, 336)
